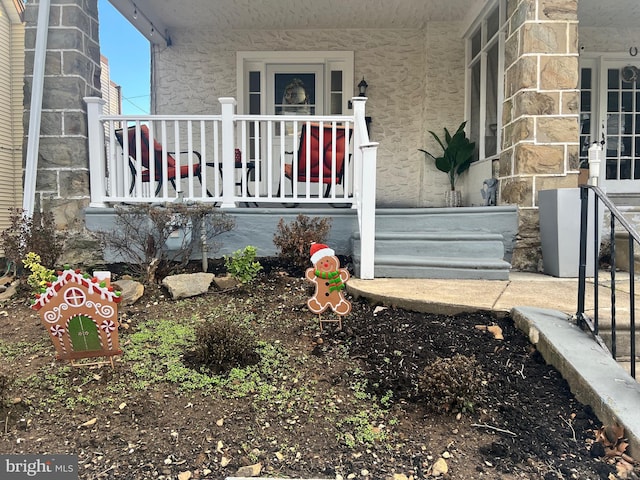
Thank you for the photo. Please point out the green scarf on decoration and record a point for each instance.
(335, 282)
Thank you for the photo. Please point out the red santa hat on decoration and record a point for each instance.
(319, 251)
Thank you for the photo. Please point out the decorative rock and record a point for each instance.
(225, 283)
(130, 291)
(249, 470)
(187, 284)
(440, 468)
(399, 476)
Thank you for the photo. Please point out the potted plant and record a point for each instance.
(457, 155)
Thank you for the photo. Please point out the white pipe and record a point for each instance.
(35, 109)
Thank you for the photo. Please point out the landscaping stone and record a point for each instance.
(130, 291)
(187, 284)
(225, 282)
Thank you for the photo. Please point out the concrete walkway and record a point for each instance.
(542, 307)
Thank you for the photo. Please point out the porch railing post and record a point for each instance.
(358, 114)
(368, 211)
(228, 158)
(97, 165)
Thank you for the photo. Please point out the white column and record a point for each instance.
(97, 165)
(228, 156)
(368, 211)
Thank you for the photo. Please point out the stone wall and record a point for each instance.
(72, 72)
(540, 115)
(412, 75)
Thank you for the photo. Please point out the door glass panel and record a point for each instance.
(295, 93)
(336, 92)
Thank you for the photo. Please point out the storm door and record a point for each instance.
(610, 113)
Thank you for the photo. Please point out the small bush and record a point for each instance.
(222, 345)
(294, 239)
(451, 384)
(40, 275)
(35, 234)
(142, 235)
(242, 265)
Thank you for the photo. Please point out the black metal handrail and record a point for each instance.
(634, 238)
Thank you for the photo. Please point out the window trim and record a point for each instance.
(499, 39)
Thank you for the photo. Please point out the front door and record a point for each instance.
(621, 120)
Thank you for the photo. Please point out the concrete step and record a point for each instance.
(459, 255)
(453, 268)
(436, 244)
(623, 341)
(626, 364)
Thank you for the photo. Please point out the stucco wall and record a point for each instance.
(609, 39)
(413, 75)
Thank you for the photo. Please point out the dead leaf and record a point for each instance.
(219, 447)
(89, 423)
(224, 461)
(495, 330)
(623, 469)
(220, 422)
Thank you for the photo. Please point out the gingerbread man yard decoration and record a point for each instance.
(329, 280)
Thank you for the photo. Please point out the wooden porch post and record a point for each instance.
(228, 157)
(97, 166)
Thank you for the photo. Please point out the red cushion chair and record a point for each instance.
(172, 171)
(315, 151)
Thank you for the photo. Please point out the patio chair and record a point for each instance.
(319, 150)
(172, 172)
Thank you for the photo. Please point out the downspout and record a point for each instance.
(35, 109)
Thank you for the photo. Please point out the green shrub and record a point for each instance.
(223, 344)
(242, 265)
(40, 275)
(451, 384)
(294, 239)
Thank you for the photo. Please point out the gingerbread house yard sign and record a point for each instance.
(80, 313)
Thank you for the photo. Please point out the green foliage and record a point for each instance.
(156, 350)
(242, 265)
(451, 384)
(35, 234)
(457, 153)
(142, 235)
(222, 344)
(294, 239)
(40, 275)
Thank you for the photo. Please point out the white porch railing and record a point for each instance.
(230, 159)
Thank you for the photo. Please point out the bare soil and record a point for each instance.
(344, 403)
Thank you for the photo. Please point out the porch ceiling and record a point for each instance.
(167, 15)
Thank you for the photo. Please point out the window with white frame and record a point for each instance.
(485, 67)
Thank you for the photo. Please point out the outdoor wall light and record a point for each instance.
(362, 87)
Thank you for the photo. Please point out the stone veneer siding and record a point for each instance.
(540, 115)
(72, 72)
(415, 77)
